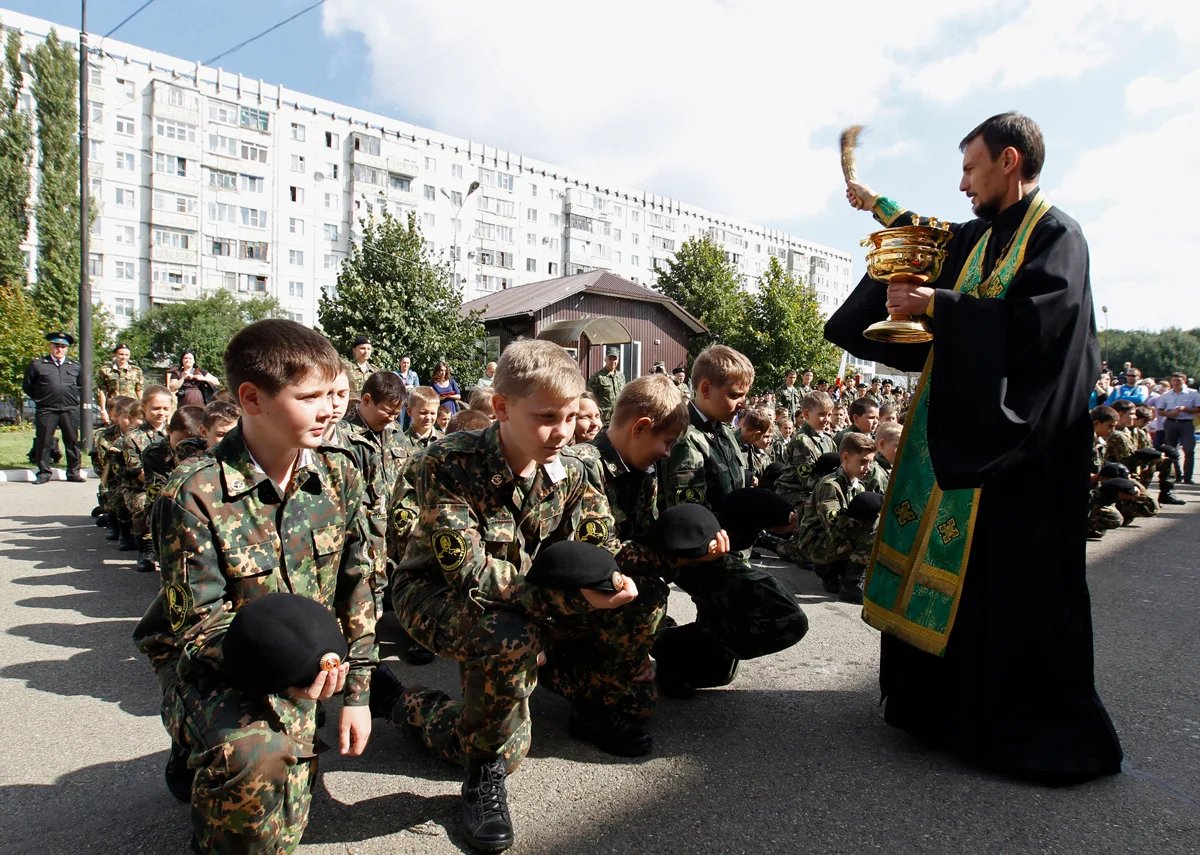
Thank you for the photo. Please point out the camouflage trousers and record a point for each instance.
(1102, 518)
(592, 660)
(133, 508)
(1131, 509)
(742, 612)
(255, 762)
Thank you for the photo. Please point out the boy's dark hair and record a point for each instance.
(757, 418)
(155, 389)
(468, 420)
(218, 412)
(384, 387)
(1104, 414)
(187, 420)
(275, 353)
(860, 406)
(1124, 405)
(119, 405)
(110, 405)
(857, 443)
(129, 408)
(1016, 130)
(1143, 412)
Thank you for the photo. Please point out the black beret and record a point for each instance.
(771, 474)
(746, 512)
(826, 463)
(1171, 451)
(683, 531)
(865, 506)
(1109, 489)
(280, 640)
(362, 339)
(1148, 455)
(1114, 470)
(571, 564)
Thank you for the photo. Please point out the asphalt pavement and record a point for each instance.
(793, 757)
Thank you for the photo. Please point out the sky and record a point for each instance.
(736, 105)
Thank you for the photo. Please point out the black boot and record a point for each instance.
(147, 558)
(386, 691)
(484, 806)
(179, 776)
(831, 577)
(1168, 497)
(97, 512)
(610, 731)
(851, 589)
(126, 542)
(112, 530)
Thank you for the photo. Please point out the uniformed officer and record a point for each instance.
(607, 383)
(680, 378)
(360, 370)
(53, 382)
(121, 377)
(789, 394)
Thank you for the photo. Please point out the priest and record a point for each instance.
(977, 579)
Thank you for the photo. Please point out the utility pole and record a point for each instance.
(85, 285)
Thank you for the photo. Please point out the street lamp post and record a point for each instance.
(1104, 309)
(454, 227)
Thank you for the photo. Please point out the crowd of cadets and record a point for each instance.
(302, 480)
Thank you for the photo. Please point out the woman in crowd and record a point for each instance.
(446, 387)
(191, 384)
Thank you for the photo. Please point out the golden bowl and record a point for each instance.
(928, 236)
(909, 260)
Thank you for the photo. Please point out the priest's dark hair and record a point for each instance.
(1016, 130)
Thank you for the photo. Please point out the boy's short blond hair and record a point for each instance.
(816, 400)
(419, 396)
(481, 400)
(857, 443)
(654, 397)
(756, 418)
(888, 432)
(468, 420)
(528, 366)
(722, 366)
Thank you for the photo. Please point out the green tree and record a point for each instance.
(21, 339)
(16, 156)
(55, 82)
(785, 330)
(1157, 354)
(205, 327)
(702, 280)
(392, 288)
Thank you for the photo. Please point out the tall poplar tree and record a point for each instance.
(16, 156)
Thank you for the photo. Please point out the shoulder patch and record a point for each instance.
(449, 548)
(690, 494)
(592, 530)
(179, 603)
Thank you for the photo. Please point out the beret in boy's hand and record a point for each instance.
(771, 474)
(826, 463)
(1114, 470)
(683, 531)
(1108, 492)
(746, 512)
(865, 506)
(1171, 451)
(279, 641)
(572, 564)
(1148, 455)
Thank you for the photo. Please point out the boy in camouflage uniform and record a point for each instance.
(102, 464)
(808, 443)
(785, 429)
(864, 418)
(120, 378)
(742, 612)
(486, 504)
(838, 528)
(422, 409)
(1119, 447)
(266, 511)
(754, 433)
(887, 444)
(157, 403)
(162, 457)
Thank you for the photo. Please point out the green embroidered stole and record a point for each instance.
(915, 576)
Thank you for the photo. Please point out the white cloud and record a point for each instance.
(1147, 94)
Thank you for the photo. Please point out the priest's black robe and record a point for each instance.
(1008, 396)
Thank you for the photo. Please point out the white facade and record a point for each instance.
(203, 180)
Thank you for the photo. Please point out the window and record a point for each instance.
(297, 163)
(169, 164)
(252, 183)
(95, 150)
(399, 182)
(257, 120)
(331, 231)
(533, 190)
(127, 89)
(95, 185)
(254, 217)
(173, 275)
(123, 307)
(330, 261)
(257, 153)
(175, 202)
(124, 235)
(331, 169)
(296, 257)
(555, 219)
(220, 144)
(428, 220)
(531, 215)
(367, 145)
(172, 238)
(251, 283)
(297, 132)
(504, 181)
(430, 192)
(456, 198)
(295, 226)
(331, 202)
(174, 130)
(222, 112)
(295, 289)
(531, 239)
(579, 223)
(255, 250)
(296, 194)
(95, 264)
(221, 246)
(298, 317)
(95, 112)
(125, 197)
(456, 170)
(224, 279)
(174, 96)
(219, 179)
(633, 259)
(431, 164)
(491, 231)
(125, 126)
(531, 265)
(332, 140)
(95, 75)
(126, 161)
(551, 267)
(635, 216)
(366, 174)
(124, 270)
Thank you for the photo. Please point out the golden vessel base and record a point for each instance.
(898, 332)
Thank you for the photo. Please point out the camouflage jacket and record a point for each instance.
(416, 443)
(827, 533)
(757, 460)
(102, 460)
(1141, 438)
(130, 449)
(113, 381)
(706, 464)
(606, 387)
(876, 480)
(790, 397)
(1119, 447)
(841, 434)
(358, 378)
(383, 455)
(685, 391)
(225, 536)
(159, 461)
(796, 482)
(779, 448)
(478, 527)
